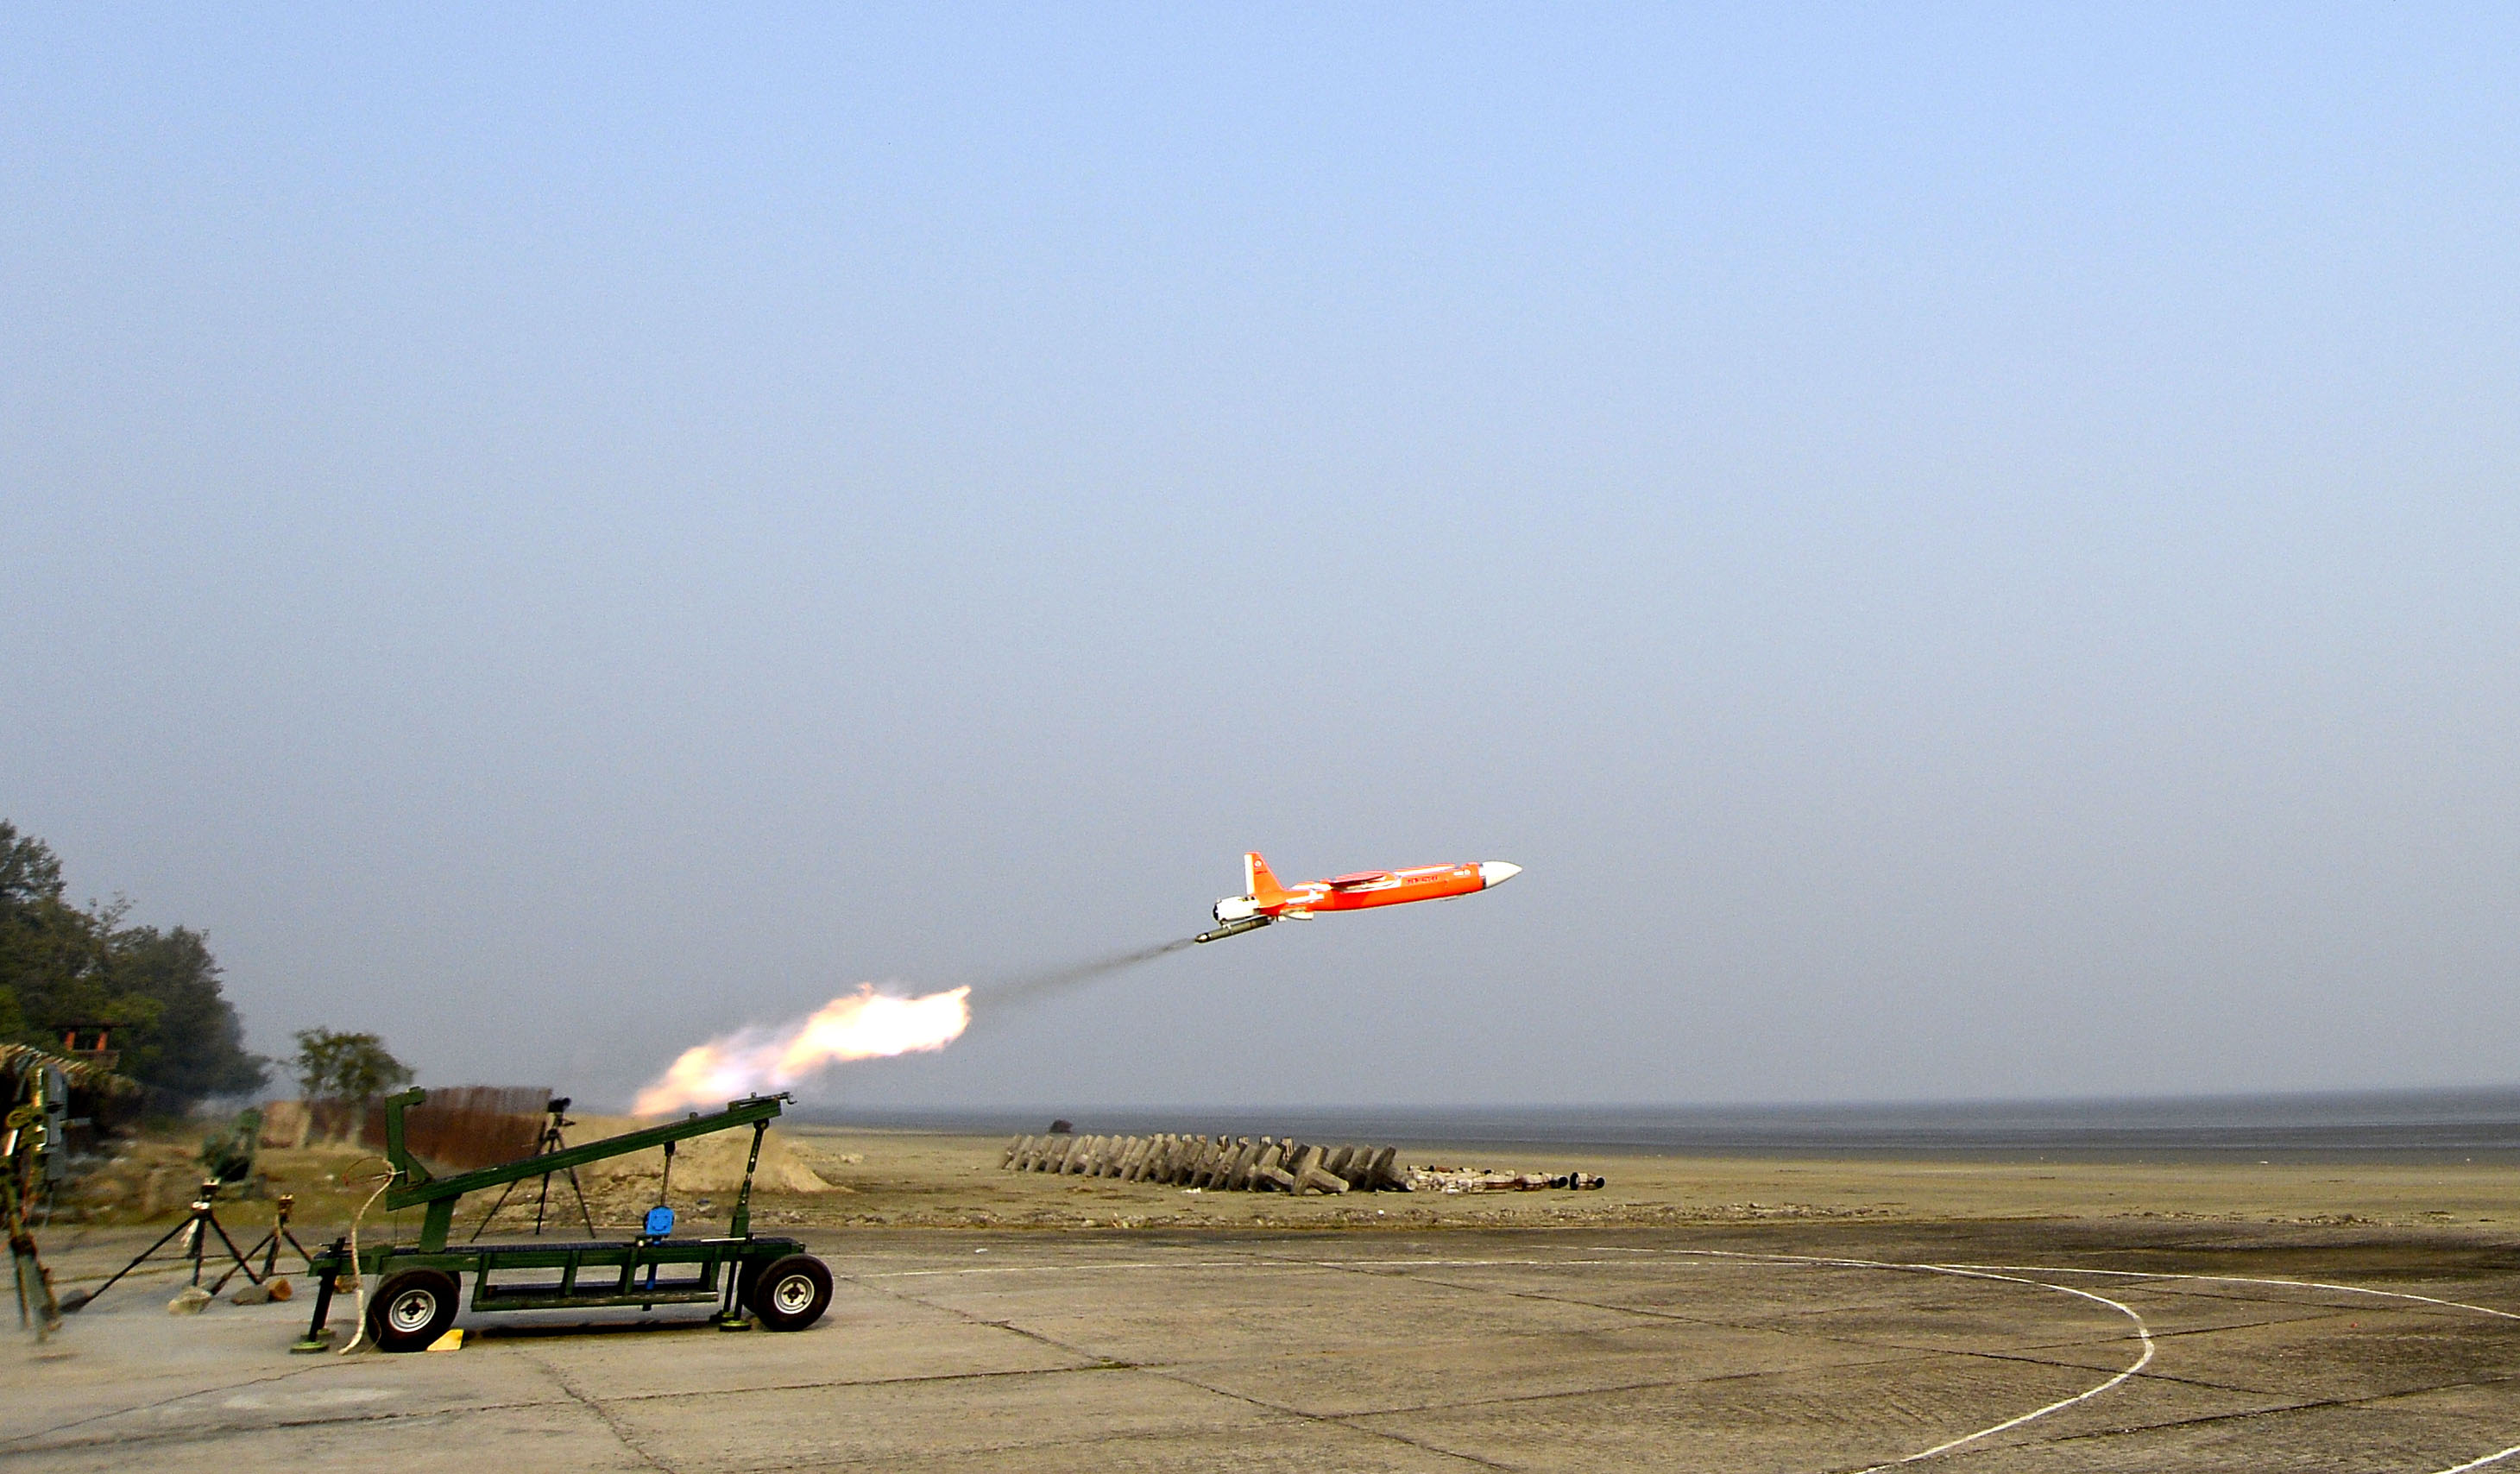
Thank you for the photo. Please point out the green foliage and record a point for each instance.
(353, 1068)
(61, 964)
(193, 1047)
(228, 1155)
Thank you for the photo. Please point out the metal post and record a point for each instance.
(201, 1211)
(729, 1316)
(741, 1224)
(328, 1269)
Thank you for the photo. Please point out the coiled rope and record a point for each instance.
(358, 1280)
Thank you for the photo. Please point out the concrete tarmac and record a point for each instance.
(1835, 1347)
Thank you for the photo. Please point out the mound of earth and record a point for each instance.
(702, 1164)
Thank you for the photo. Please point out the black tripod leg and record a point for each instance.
(487, 1217)
(78, 1299)
(251, 1277)
(583, 1211)
(267, 1245)
(273, 1240)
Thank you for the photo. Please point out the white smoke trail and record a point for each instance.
(860, 1025)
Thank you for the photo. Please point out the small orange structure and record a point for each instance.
(91, 1044)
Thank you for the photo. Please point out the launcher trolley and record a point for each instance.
(419, 1286)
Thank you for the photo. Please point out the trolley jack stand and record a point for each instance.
(319, 1337)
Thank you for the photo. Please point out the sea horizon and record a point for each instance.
(2449, 1124)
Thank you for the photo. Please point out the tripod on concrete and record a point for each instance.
(268, 1246)
(196, 1232)
(555, 1122)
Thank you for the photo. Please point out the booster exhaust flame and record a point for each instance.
(860, 1025)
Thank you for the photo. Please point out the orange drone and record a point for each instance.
(1264, 900)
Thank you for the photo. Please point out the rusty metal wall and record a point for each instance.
(467, 1126)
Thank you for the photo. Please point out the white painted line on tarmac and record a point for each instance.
(2350, 1289)
(1965, 1271)
(2041, 1269)
(2298, 1284)
(2140, 1362)
(2008, 1274)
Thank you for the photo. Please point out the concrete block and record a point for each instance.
(1237, 1172)
(1309, 1174)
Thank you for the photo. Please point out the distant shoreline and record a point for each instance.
(2431, 1126)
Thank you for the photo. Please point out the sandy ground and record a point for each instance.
(906, 1178)
(1696, 1315)
(917, 1180)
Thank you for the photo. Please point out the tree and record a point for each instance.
(352, 1069)
(52, 953)
(194, 1046)
(63, 964)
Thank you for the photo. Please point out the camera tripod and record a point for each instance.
(268, 1246)
(196, 1232)
(556, 1121)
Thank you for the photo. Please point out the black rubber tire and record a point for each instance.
(413, 1308)
(790, 1293)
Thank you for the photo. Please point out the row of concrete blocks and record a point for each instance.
(1230, 1163)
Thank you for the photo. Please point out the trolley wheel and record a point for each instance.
(790, 1293)
(412, 1309)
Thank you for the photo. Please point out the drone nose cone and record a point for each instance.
(1495, 873)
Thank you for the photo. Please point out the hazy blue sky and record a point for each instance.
(1970, 551)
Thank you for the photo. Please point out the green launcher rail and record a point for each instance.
(415, 1187)
(420, 1284)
